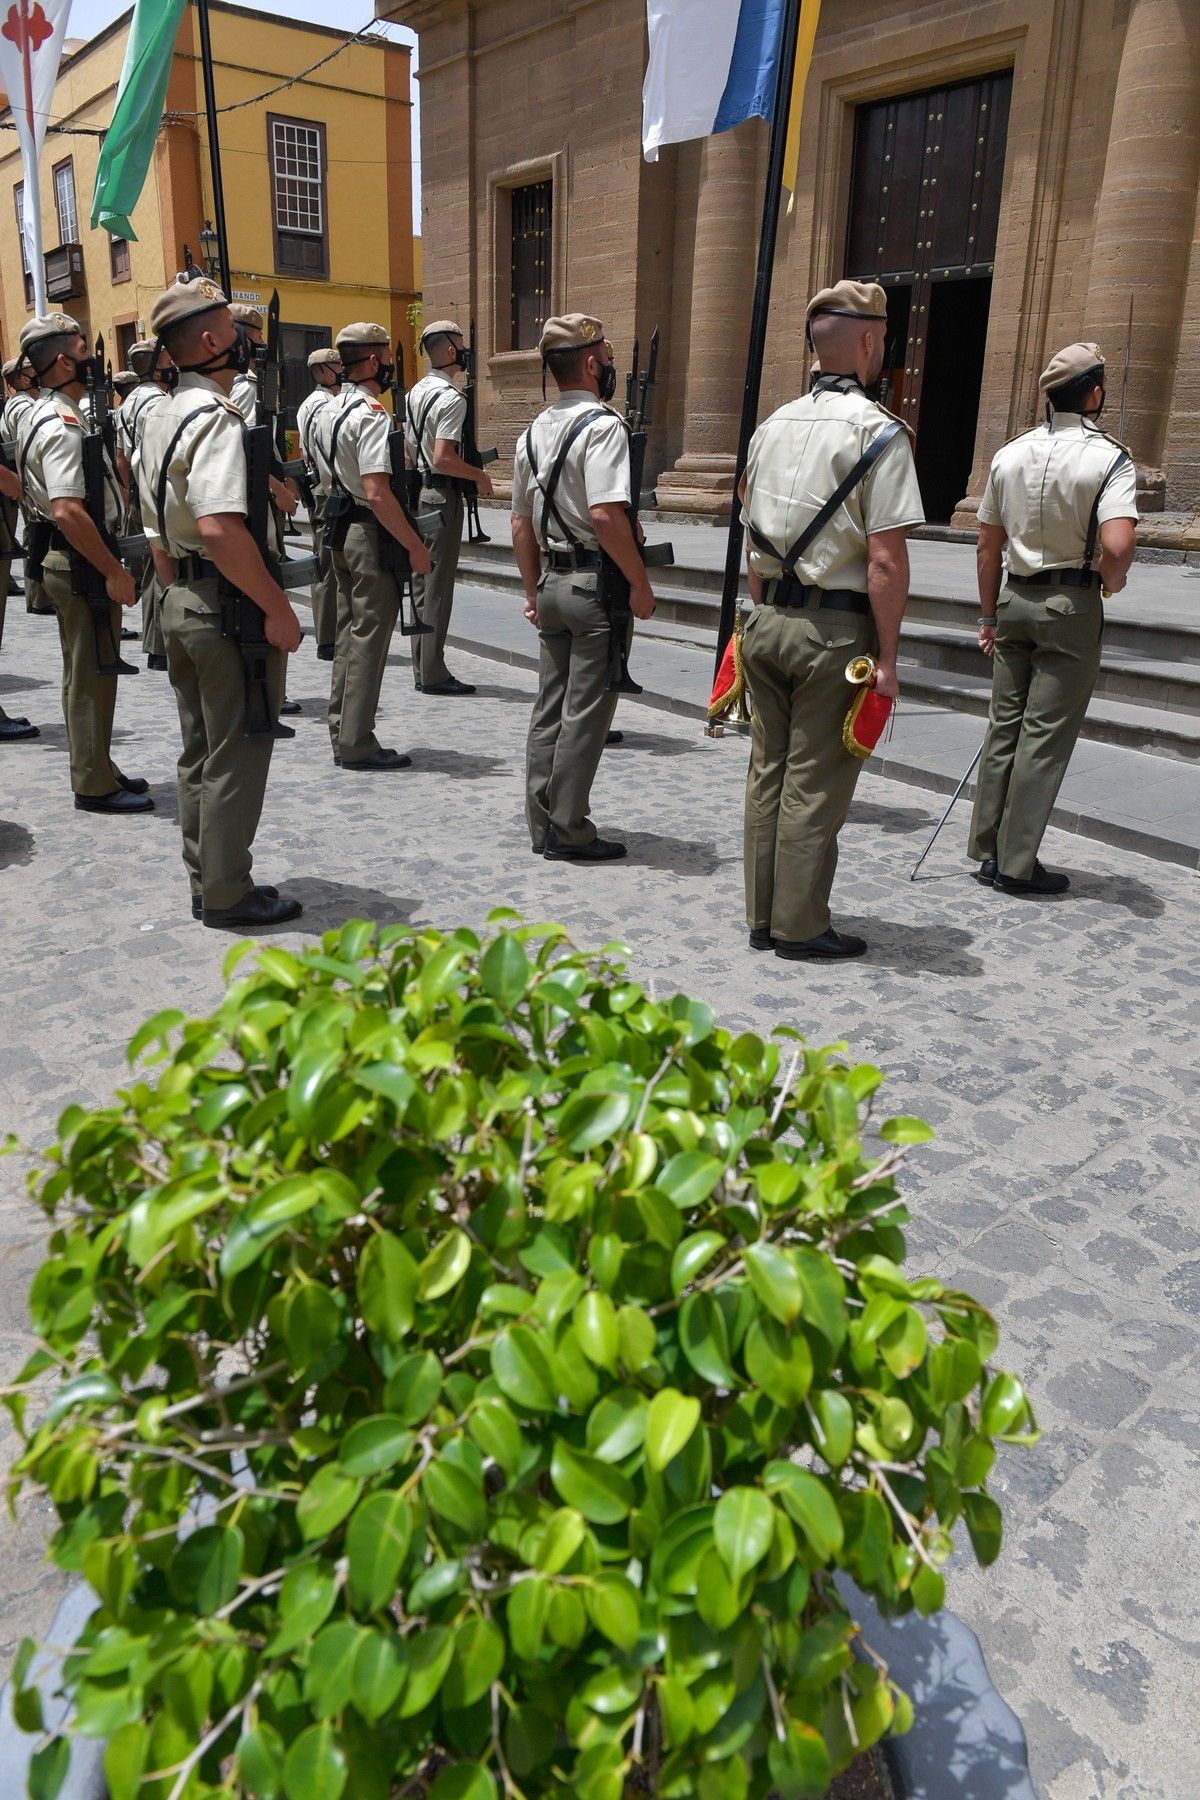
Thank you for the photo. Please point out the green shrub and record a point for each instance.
(464, 1372)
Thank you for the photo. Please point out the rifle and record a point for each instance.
(241, 619)
(471, 453)
(87, 583)
(612, 587)
(392, 554)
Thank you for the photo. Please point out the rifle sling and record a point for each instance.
(160, 492)
(549, 487)
(836, 500)
(336, 486)
(1093, 530)
(418, 427)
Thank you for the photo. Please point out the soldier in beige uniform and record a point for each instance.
(325, 366)
(434, 415)
(192, 481)
(570, 492)
(285, 496)
(1053, 498)
(22, 394)
(154, 376)
(11, 729)
(50, 465)
(829, 582)
(351, 448)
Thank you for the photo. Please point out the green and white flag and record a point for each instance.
(129, 142)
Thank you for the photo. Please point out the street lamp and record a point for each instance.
(208, 247)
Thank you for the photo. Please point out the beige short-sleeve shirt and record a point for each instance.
(244, 395)
(596, 472)
(50, 458)
(130, 416)
(797, 459)
(363, 426)
(1042, 486)
(436, 405)
(306, 413)
(15, 407)
(206, 475)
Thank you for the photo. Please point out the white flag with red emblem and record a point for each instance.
(31, 41)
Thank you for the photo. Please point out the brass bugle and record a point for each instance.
(860, 671)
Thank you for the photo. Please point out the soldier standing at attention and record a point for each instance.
(285, 497)
(435, 414)
(154, 374)
(351, 445)
(325, 366)
(829, 494)
(50, 463)
(1053, 497)
(192, 480)
(10, 493)
(570, 492)
(22, 394)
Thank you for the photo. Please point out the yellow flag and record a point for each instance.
(809, 13)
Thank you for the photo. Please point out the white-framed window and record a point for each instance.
(64, 200)
(19, 198)
(297, 158)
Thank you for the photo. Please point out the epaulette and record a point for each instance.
(1028, 432)
(1099, 431)
(891, 415)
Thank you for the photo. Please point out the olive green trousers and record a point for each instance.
(1043, 673)
(89, 699)
(801, 777)
(571, 715)
(325, 587)
(433, 594)
(368, 607)
(222, 774)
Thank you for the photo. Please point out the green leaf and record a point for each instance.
(464, 1781)
(48, 1769)
(691, 1256)
(93, 1389)
(526, 1615)
(378, 1674)
(613, 1690)
(522, 1368)
(565, 1531)
(315, 1766)
(928, 1589)
(689, 1178)
(593, 1487)
(326, 1501)
(799, 1762)
(125, 1761)
(672, 1419)
(834, 1433)
(902, 1345)
(306, 1600)
(704, 1339)
(157, 1028)
(638, 1338)
(808, 1501)
(429, 1653)
(206, 1567)
(616, 1425)
(497, 1433)
(774, 1280)
(312, 1322)
(778, 1361)
(477, 1661)
(743, 1526)
(375, 1444)
(595, 1324)
(905, 1130)
(259, 1761)
(445, 1265)
(985, 1526)
(262, 1221)
(377, 1541)
(391, 1080)
(954, 1369)
(592, 1118)
(456, 1497)
(330, 1672)
(504, 970)
(387, 1287)
(824, 1294)
(1003, 1405)
(615, 1610)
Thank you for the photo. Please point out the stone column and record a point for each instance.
(1144, 221)
(727, 218)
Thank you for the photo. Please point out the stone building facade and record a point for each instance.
(1033, 168)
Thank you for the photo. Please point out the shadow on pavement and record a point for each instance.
(937, 949)
(1119, 890)
(890, 819)
(17, 845)
(653, 743)
(511, 696)
(682, 856)
(328, 904)
(459, 765)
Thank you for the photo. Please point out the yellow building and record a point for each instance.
(317, 166)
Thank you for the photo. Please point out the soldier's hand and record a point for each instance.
(421, 560)
(531, 611)
(885, 682)
(285, 497)
(120, 588)
(987, 639)
(641, 600)
(283, 627)
(483, 482)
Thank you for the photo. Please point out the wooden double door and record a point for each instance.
(924, 211)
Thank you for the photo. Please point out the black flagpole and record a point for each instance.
(784, 74)
(214, 146)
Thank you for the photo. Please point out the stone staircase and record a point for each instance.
(1147, 697)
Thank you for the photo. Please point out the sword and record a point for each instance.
(954, 796)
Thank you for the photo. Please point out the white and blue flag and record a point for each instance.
(712, 64)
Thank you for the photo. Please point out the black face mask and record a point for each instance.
(168, 379)
(1094, 413)
(385, 374)
(87, 368)
(606, 380)
(237, 356)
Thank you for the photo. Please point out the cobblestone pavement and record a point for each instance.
(1052, 1045)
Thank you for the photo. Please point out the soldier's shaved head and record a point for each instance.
(839, 342)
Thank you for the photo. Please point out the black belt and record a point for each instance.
(791, 593)
(1077, 578)
(195, 568)
(563, 561)
(58, 542)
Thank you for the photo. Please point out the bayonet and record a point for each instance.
(631, 386)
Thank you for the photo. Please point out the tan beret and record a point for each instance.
(185, 300)
(52, 325)
(125, 378)
(571, 331)
(1070, 364)
(323, 359)
(362, 335)
(851, 300)
(440, 328)
(10, 367)
(247, 315)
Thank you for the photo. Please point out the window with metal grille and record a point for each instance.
(532, 214)
(118, 258)
(64, 200)
(19, 198)
(297, 157)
